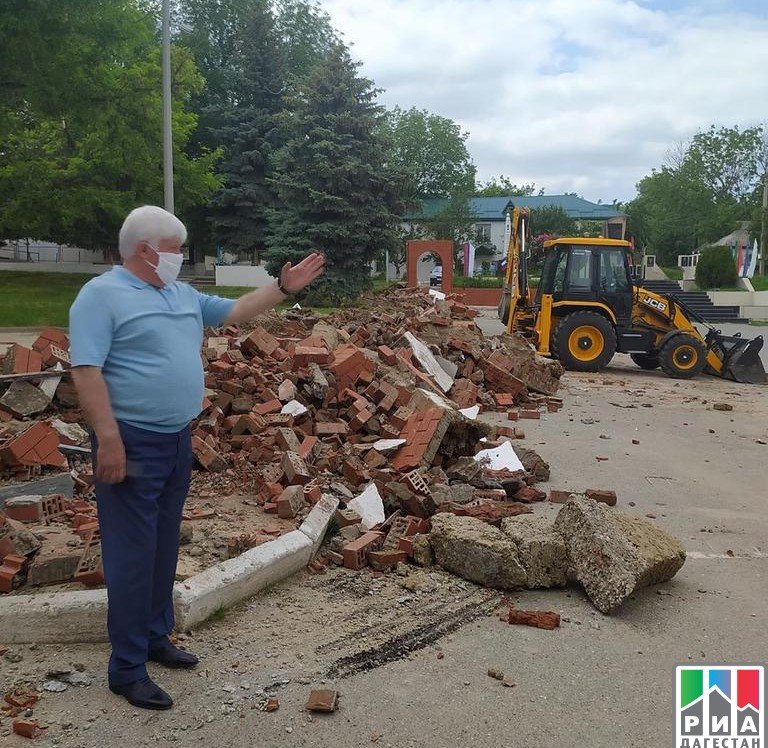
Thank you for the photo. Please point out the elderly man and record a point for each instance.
(136, 335)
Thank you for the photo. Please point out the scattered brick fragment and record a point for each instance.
(601, 495)
(323, 700)
(541, 619)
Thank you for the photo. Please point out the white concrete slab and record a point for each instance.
(317, 521)
(77, 616)
(229, 582)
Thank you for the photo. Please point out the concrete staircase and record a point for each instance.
(698, 301)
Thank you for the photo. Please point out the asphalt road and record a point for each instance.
(410, 654)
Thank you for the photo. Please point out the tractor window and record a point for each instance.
(613, 273)
(559, 272)
(579, 276)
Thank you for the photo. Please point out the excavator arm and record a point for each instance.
(516, 276)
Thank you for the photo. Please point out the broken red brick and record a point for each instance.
(601, 495)
(541, 619)
(559, 497)
(27, 728)
(207, 456)
(48, 336)
(21, 360)
(387, 355)
(330, 429)
(10, 569)
(291, 501)
(273, 406)
(259, 342)
(531, 415)
(37, 445)
(355, 552)
(323, 700)
(295, 469)
(527, 494)
(386, 559)
(53, 355)
(25, 508)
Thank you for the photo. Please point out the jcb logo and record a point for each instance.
(655, 303)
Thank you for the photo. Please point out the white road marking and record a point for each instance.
(698, 555)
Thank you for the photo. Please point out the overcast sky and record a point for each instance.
(575, 95)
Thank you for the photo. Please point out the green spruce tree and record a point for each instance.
(336, 193)
(248, 135)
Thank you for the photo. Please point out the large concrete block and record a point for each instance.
(614, 554)
(541, 550)
(229, 582)
(476, 551)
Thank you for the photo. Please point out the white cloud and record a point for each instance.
(576, 96)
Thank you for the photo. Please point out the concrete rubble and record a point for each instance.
(613, 554)
(476, 551)
(541, 551)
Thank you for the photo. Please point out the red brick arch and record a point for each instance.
(414, 249)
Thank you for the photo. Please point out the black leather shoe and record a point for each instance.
(173, 657)
(144, 693)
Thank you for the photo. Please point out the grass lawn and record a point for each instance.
(760, 282)
(39, 299)
(674, 274)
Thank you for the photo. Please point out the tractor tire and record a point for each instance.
(646, 360)
(584, 341)
(683, 356)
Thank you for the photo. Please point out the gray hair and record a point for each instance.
(149, 224)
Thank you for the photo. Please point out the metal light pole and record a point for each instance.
(764, 224)
(167, 127)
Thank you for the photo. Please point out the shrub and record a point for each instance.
(716, 268)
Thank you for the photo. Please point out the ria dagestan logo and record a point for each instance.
(720, 706)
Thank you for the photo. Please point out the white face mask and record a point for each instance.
(168, 265)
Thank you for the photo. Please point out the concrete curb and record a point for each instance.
(80, 615)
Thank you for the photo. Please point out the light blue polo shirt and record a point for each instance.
(147, 342)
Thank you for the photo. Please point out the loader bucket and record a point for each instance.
(740, 357)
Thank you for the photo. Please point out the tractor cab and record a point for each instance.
(584, 272)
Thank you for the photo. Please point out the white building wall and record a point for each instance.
(253, 276)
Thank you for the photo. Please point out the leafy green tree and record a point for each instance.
(336, 192)
(716, 268)
(430, 152)
(707, 186)
(81, 127)
(726, 161)
(553, 220)
(504, 187)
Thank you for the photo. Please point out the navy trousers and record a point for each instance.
(139, 521)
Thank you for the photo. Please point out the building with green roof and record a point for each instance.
(489, 214)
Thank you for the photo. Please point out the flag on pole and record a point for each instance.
(752, 261)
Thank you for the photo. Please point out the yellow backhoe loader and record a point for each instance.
(586, 308)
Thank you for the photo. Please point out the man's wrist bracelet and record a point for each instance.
(283, 290)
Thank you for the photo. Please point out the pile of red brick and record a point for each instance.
(27, 445)
(70, 550)
(302, 405)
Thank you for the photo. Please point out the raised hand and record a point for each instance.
(294, 279)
